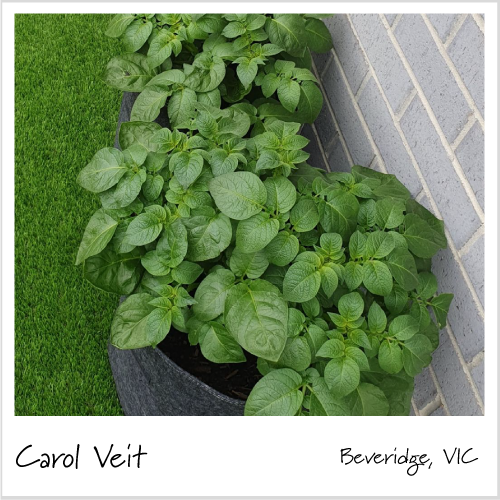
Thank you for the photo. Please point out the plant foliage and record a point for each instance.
(219, 228)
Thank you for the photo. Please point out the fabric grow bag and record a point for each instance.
(147, 381)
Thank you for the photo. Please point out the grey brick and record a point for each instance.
(478, 375)
(390, 18)
(347, 48)
(347, 118)
(452, 379)
(443, 24)
(425, 389)
(432, 72)
(325, 126)
(444, 184)
(337, 158)
(474, 265)
(463, 317)
(387, 138)
(383, 56)
(438, 412)
(470, 154)
(316, 158)
(467, 53)
(322, 61)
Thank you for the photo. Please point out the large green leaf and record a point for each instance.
(281, 194)
(113, 272)
(423, 240)
(118, 25)
(304, 215)
(149, 102)
(181, 106)
(138, 133)
(295, 355)
(173, 244)
(342, 376)
(368, 400)
(390, 356)
(276, 394)
(144, 229)
(186, 167)
(324, 403)
(302, 282)
(239, 195)
(136, 35)
(211, 294)
(97, 235)
(377, 278)
(282, 249)
(319, 38)
(256, 315)
(339, 214)
(207, 236)
(249, 265)
(104, 170)
(256, 233)
(218, 346)
(441, 306)
(287, 31)
(402, 266)
(128, 330)
(416, 354)
(128, 72)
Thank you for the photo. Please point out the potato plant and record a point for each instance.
(219, 228)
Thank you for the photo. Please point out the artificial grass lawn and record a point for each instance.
(64, 114)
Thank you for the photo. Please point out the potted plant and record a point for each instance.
(233, 252)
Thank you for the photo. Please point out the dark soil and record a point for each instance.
(235, 380)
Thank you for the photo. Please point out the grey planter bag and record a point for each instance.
(147, 381)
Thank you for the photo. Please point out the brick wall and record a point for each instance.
(404, 94)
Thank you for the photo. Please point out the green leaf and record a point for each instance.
(329, 280)
(390, 357)
(136, 35)
(353, 275)
(441, 305)
(333, 348)
(351, 306)
(256, 316)
(247, 71)
(152, 187)
(218, 346)
(173, 244)
(289, 94)
(149, 102)
(138, 133)
(97, 235)
(126, 191)
(396, 300)
(377, 320)
(403, 327)
(319, 38)
(270, 84)
(379, 244)
(251, 265)
(427, 285)
(310, 102)
(360, 338)
(211, 294)
(295, 322)
(377, 278)
(357, 245)
(104, 170)
(339, 214)
(113, 272)
(296, 354)
(342, 376)
(181, 106)
(158, 325)
(367, 213)
(281, 194)
(301, 283)
(359, 356)
(368, 400)
(144, 229)
(324, 403)
(160, 48)
(276, 394)
(256, 233)
(282, 249)
(238, 195)
(287, 31)
(304, 215)
(128, 330)
(155, 263)
(128, 72)
(402, 266)
(389, 213)
(423, 240)
(187, 167)
(207, 236)
(416, 354)
(186, 272)
(118, 25)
